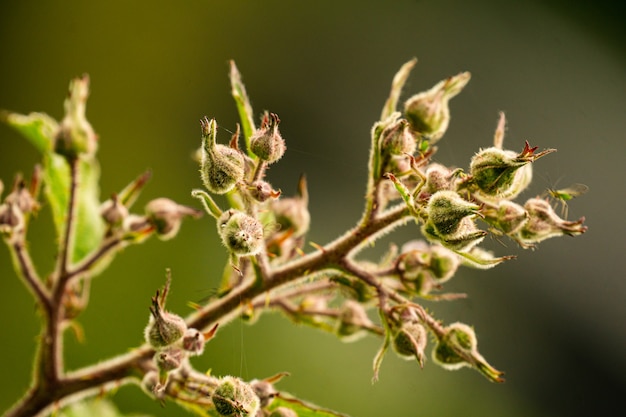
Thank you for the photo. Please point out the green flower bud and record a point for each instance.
(428, 112)
(446, 211)
(235, 398)
(75, 135)
(458, 348)
(543, 223)
(240, 233)
(443, 264)
(166, 216)
(352, 321)
(410, 341)
(503, 174)
(266, 142)
(466, 237)
(221, 167)
(397, 139)
(508, 217)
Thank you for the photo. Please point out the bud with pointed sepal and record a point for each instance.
(501, 174)
(75, 135)
(457, 347)
(240, 233)
(543, 223)
(235, 398)
(428, 112)
(221, 166)
(266, 142)
(166, 216)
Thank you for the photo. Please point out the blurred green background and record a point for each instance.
(554, 319)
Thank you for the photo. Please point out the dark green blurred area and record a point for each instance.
(554, 319)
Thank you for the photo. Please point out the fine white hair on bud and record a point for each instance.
(221, 167)
(241, 234)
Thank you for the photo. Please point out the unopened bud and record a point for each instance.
(265, 391)
(410, 341)
(167, 361)
(443, 264)
(262, 191)
(235, 398)
(11, 220)
(21, 197)
(428, 112)
(240, 233)
(543, 223)
(353, 321)
(166, 216)
(164, 328)
(397, 139)
(503, 174)
(508, 217)
(266, 142)
(446, 211)
(292, 214)
(193, 342)
(458, 348)
(221, 167)
(76, 135)
(113, 211)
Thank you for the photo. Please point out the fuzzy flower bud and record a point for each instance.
(397, 139)
(458, 348)
(113, 212)
(262, 191)
(235, 398)
(193, 342)
(167, 361)
(75, 135)
(292, 214)
(221, 167)
(503, 174)
(166, 216)
(22, 197)
(352, 321)
(164, 328)
(11, 220)
(544, 223)
(410, 341)
(428, 112)
(240, 233)
(446, 210)
(266, 142)
(508, 217)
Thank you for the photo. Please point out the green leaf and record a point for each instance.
(302, 408)
(243, 104)
(39, 129)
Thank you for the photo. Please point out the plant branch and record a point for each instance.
(28, 273)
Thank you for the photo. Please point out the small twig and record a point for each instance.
(29, 274)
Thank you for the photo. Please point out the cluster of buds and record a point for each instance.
(162, 216)
(258, 220)
(422, 267)
(172, 340)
